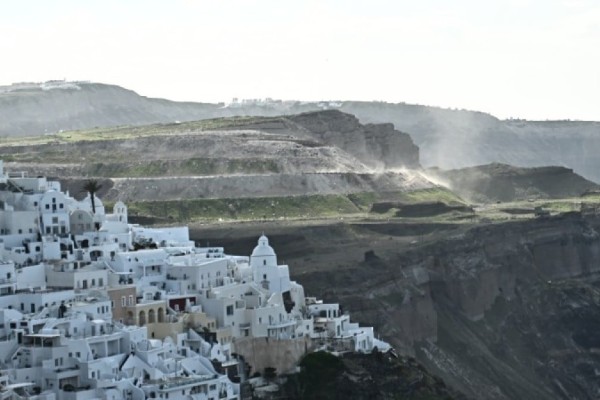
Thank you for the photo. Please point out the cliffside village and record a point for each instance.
(93, 307)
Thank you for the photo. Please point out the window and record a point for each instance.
(47, 206)
(230, 310)
(100, 282)
(55, 220)
(130, 300)
(112, 304)
(61, 205)
(123, 301)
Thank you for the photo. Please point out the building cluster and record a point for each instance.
(94, 307)
(269, 102)
(48, 85)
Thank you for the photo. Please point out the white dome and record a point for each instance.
(263, 249)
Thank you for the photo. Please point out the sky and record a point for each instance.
(532, 59)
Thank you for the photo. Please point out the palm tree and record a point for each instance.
(92, 187)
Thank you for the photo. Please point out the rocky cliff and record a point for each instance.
(514, 306)
(499, 311)
(364, 376)
(501, 182)
(378, 146)
(447, 138)
(452, 139)
(318, 153)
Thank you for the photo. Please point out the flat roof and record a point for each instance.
(44, 335)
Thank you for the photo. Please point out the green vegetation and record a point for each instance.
(269, 208)
(128, 132)
(91, 186)
(395, 298)
(363, 201)
(526, 209)
(188, 167)
(317, 375)
(436, 194)
(246, 208)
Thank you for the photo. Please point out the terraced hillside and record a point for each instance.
(448, 138)
(234, 168)
(501, 182)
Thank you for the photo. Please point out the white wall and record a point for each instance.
(31, 277)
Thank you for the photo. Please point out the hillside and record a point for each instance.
(45, 109)
(326, 155)
(448, 139)
(497, 310)
(501, 182)
(452, 139)
(495, 301)
(313, 164)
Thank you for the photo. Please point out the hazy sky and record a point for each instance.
(535, 59)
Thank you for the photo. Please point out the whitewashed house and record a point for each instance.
(93, 307)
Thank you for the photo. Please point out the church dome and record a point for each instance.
(263, 249)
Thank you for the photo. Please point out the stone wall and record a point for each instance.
(283, 355)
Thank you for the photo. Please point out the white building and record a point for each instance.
(66, 272)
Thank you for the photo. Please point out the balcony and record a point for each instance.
(282, 325)
(185, 381)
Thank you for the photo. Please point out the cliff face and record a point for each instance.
(515, 306)
(449, 139)
(452, 139)
(378, 146)
(501, 182)
(498, 311)
(321, 153)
